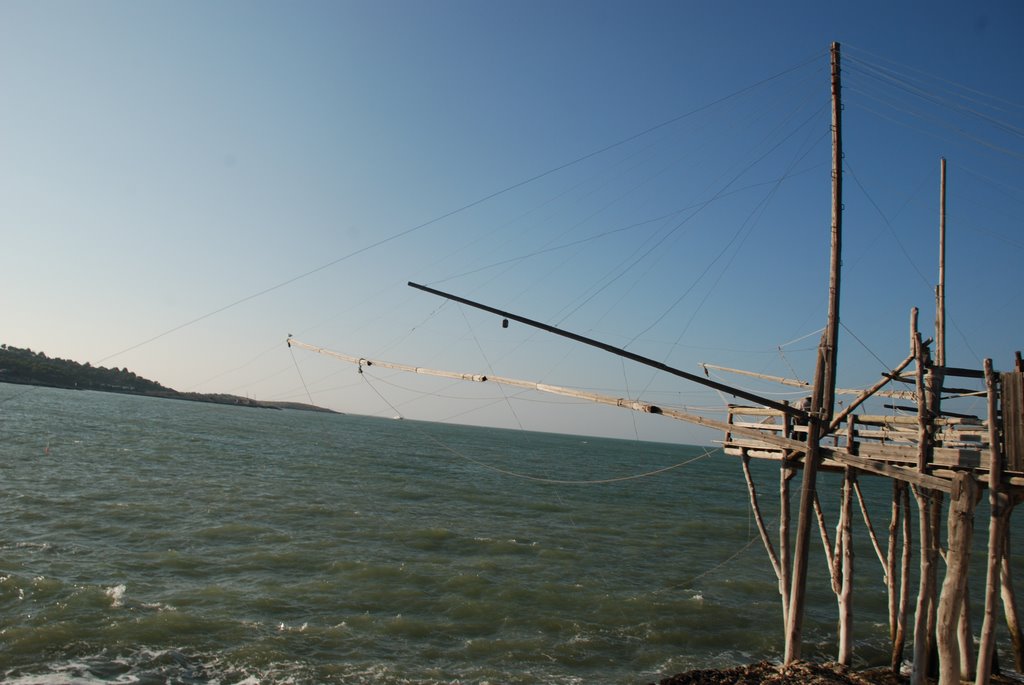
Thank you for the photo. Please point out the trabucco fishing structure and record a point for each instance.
(927, 452)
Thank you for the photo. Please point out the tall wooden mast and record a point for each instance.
(835, 260)
(940, 290)
(822, 399)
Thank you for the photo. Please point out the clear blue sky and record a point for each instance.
(162, 161)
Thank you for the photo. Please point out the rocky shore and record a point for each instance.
(800, 673)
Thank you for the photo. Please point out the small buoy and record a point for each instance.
(504, 323)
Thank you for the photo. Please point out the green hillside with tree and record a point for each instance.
(22, 365)
(26, 367)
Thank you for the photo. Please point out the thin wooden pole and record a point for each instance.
(786, 473)
(782, 380)
(1010, 601)
(940, 291)
(826, 543)
(882, 558)
(923, 418)
(865, 395)
(890, 560)
(926, 507)
(758, 518)
(1006, 578)
(835, 257)
(901, 616)
(823, 396)
(808, 494)
(996, 532)
(846, 588)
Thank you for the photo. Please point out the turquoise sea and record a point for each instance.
(158, 541)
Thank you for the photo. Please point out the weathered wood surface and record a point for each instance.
(927, 503)
(1012, 395)
(996, 536)
(960, 530)
(1009, 598)
(844, 542)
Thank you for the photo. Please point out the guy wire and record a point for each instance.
(537, 479)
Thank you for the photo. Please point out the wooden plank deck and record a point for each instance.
(889, 445)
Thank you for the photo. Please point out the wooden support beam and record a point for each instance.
(871, 528)
(786, 473)
(864, 396)
(761, 528)
(890, 565)
(901, 500)
(963, 373)
(999, 505)
(926, 585)
(960, 529)
(845, 548)
(1009, 598)
(782, 380)
(888, 470)
(808, 492)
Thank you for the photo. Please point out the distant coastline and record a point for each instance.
(23, 366)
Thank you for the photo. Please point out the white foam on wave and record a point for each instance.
(116, 594)
(158, 606)
(68, 673)
(292, 629)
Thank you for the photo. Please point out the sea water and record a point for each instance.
(147, 540)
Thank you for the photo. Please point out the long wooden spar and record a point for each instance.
(794, 446)
(898, 394)
(646, 361)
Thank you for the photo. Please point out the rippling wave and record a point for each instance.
(153, 541)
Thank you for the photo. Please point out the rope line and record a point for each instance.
(935, 77)
(301, 378)
(463, 208)
(537, 479)
(888, 225)
(714, 568)
(906, 85)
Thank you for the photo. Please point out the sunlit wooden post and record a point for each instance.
(822, 399)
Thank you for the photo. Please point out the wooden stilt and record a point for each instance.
(935, 522)
(786, 473)
(826, 543)
(960, 528)
(759, 519)
(965, 635)
(882, 557)
(808, 493)
(926, 588)
(996, 533)
(899, 641)
(890, 562)
(1010, 601)
(845, 541)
